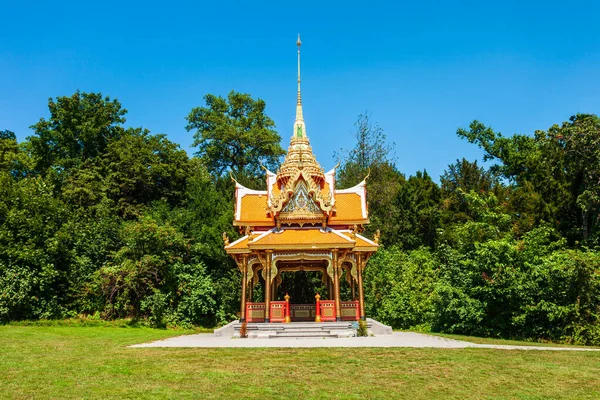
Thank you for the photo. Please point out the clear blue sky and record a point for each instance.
(422, 69)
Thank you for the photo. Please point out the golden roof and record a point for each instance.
(300, 198)
(300, 193)
(301, 239)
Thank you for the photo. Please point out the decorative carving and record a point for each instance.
(251, 274)
(273, 270)
(225, 239)
(376, 236)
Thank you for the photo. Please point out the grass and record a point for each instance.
(94, 362)
(480, 340)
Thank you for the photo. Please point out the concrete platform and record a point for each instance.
(329, 330)
(396, 339)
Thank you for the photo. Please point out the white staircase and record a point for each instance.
(297, 330)
(301, 330)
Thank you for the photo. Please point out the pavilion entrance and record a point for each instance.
(301, 282)
(302, 292)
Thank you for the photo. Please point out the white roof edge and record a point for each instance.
(361, 191)
(353, 189)
(236, 242)
(367, 240)
(342, 235)
(262, 235)
(244, 190)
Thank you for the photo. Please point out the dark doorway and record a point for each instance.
(302, 286)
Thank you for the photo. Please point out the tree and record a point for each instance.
(537, 169)
(579, 138)
(372, 156)
(141, 168)
(12, 157)
(34, 266)
(79, 128)
(418, 212)
(234, 134)
(462, 177)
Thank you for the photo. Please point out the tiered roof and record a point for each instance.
(301, 209)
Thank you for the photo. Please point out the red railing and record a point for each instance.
(255, 312)
(302, 312)
(327, 310)
(277, 311)
(349, 310)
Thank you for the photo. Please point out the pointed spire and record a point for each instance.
(299, 104)
(299, 127)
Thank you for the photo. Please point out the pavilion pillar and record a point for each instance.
(330, 295)
(268, 287)
(361, 299)
(251, 290)
(353, 288)
(336, 286)
(244, 287)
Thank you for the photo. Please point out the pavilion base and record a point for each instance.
(316, 330)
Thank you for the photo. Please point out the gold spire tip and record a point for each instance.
(298, 42)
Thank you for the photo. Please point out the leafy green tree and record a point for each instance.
(79, 128)
(579, 138)
(140, 266)
(536, 167)
(141, 168)
(418, 212)
(399, 287)
(460, 177)
(373, 156)
(234, 134)
(33, 260)
(12, 157)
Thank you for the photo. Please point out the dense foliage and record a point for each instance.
(100, 219)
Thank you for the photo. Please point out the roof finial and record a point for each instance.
(299, 43)
(299, 128)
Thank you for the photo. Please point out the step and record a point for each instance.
(304, 336)
(297, 325)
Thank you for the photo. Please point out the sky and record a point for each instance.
(421, 69)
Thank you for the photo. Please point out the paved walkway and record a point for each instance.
(397, 339)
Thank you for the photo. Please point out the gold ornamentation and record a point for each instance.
(376, 236)
(225, 239)
(354, 231)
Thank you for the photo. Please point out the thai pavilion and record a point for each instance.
(301, 223)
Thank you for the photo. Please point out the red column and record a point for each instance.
(287, 308)
(318, 310)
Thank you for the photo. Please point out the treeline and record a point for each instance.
(509, 251)
(101, 220)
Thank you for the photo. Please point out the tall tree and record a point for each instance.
(141, 168)
(538, 170)
(418, 205)
(234, 134)
(372, 155)
(12, 157)
(579, 138)
(79, 128)
(462, 177)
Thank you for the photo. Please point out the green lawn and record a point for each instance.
(480, 340)
(94, 362)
